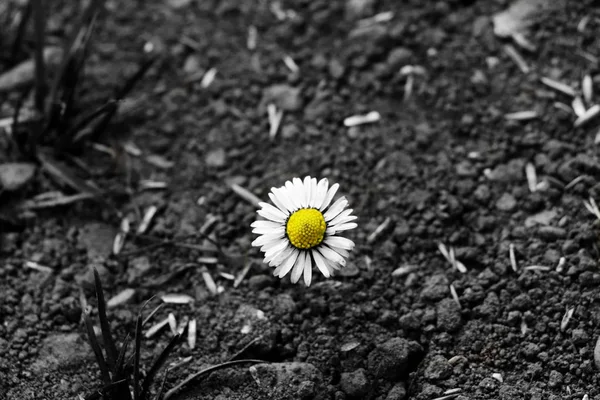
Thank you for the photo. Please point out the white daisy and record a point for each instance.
(301, 229)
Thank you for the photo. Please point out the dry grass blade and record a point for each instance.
(559, 86)
(136, 357)
(109, 343)
(566, 318)
(592, 207)
(39, 17)
(64, 175)
(513, 258)
(158, 365)
(57, 200)
(206, 371)
(96, 347)
(245, 194)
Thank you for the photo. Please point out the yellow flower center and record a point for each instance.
(306, 228)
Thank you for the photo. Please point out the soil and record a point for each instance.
(443, 165)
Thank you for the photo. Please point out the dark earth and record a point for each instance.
(444, 164)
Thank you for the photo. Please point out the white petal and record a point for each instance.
(287, 265)
(330, 193)
(265, 224)
(275, 245)
(281, 257)
(278, 203)
(342, 217)
(335, 209)
(341, 242)
(268, 214)
(264, 239)
(299, 189)
(307, 191)
(266, 231)
(321, 193)
(291, 192)
(283, 198)
(320, 261)
(298, 267)
(331, 255)
(307, 271)
(273, 209)
(338, 228)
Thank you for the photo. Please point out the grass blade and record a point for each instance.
(109, 343)
(18, 42)
(120, 364)
(136, 357)
(102, 392)
(158, 364)
(159, 396)
(96, 347)
(128, 87)
(206, 371)
(64, 175)
(41, 88)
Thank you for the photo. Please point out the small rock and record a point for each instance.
(98, 239)
(541, 218)
(216, 158)
(448, 316)
(438, 368)
(138, 267)
(289, 131)
(436, 288)
(259, 282)
(398, 392)
(555, 379)
(580, 337)
(488, 384)
(283, 96)
(394, 358)
(13, 176)
(61, 350)
(336, 68)
(399, 57)
(178, 4)
(506, 202)
(356, 9)
(552, 233)
(355, 384)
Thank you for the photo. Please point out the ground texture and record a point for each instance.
(443, 165)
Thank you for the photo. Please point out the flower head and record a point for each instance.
(301, 229)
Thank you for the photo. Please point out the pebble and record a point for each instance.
(356, 9)
(555, 379)
(436, 288)
(448, 316)
(259, 282)
(61, 351)
(355, 384)
(13, 176)
(97, 238)
(398, 392)
(216, 158)
(399, 57)
(506, 202)
(437, 368)
(138, 267)
(552, 233)
(394, 358)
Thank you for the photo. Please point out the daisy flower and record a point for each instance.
(301, 229)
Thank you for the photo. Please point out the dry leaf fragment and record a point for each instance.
(38, 267)
(356, 120)
(154, 329)
(382, 227)
(208, 78)
(513, 259)
(578, 106)
(590, 114)
(252, 37)
(561, 87)
(245, 194)
(210, 283)
(404, 270)
(587, 87)
(148, 215)
(174, 298)
(191, 337)
(123, 297)
(242, 275)
(517, 58)
(172, 323)
(120, 237)
(522, 115)
(159, 161)
(566, 318)
(531, 177)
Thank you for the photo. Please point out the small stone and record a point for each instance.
(259, 282)
(448, 316)
(60, 351)
(506, 202)
(355, 384)
(138, 267)
(289, 131)
(398, 392)
(488, 384)
(216, 158)
(336, 68)
(552, 233)
(580, 337)
(555, 379)
(394, 358)
(97, 238)
(356, 9)
(283, 96)
(399, 57)
(13, 176)
(436, 288)
(437, 368)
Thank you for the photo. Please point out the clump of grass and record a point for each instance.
(121, 375)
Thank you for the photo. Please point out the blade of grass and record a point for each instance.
(18, 42)
(71, 134)
(136, 357)
(159, 396)
(206, 371)
(128, 87)
(159, 363)
(96, 347)
(109, 343)
(65, 176)
(39, 18)
(102, 392)
(120, 364)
